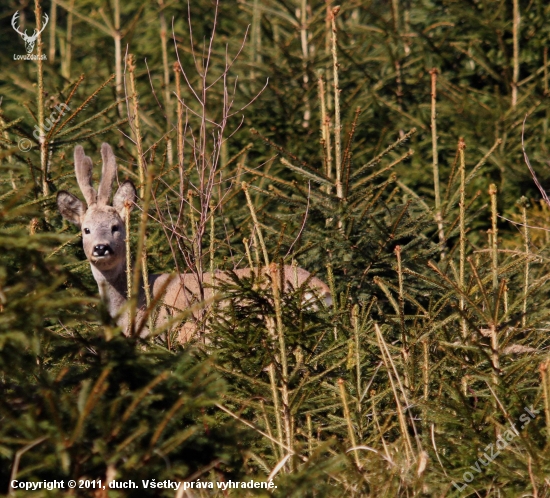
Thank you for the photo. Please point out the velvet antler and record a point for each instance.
(108, 174)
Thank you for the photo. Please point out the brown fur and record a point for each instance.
(103, 238)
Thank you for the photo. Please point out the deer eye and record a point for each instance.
(87, 231)
(114, 228)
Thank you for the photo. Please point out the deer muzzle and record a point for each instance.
(101, 250)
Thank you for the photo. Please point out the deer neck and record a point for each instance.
(112, 287)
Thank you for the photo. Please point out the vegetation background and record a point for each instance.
(381, 147)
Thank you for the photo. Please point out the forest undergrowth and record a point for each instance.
(394, 151)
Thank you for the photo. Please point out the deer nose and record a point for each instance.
(102, 250)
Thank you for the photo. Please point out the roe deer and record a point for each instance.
(103, 238)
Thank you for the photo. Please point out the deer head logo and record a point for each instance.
(29, 40)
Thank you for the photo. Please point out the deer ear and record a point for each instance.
(125, 196)
(70, 207)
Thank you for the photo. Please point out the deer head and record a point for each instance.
(29, 40)
(102, 225)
